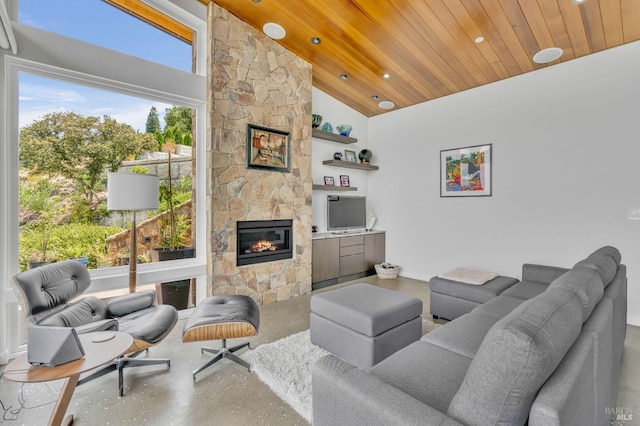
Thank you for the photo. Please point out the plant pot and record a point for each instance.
(32, 264)
(160, 254)
(83, 260)
(175, 293)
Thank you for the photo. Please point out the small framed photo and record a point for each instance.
(328, 181)
(349, 156)
(344, 180)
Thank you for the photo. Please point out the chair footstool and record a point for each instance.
(222, 318)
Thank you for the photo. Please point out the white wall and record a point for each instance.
(566, 147)
(336, 113)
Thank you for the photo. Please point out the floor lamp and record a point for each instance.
(132, 191)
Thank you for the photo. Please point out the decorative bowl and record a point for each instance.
(316, 120)
(344, 129)
(326, 127)
(365, 156)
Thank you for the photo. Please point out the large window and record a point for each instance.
(132, 115)
(101, 23)
(70, 137)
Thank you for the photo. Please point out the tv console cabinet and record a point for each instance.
(341, 257)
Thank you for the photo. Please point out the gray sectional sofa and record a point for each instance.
(547, 351)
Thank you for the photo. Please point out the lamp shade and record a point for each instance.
(132, 191)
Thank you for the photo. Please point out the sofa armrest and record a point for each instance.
(343, 394)
(128, 303)
(541, 273)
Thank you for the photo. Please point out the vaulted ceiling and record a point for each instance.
(428, 46)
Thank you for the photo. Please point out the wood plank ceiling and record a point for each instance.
(428, 46)
(148, 14)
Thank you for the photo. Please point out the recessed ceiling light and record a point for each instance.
(256, 1)
(343, 76)
(386, 75)
(578, 1)
(316, 40)
(547, 55)
(274, 31)
(479, 39)
(374, 98)
(386, 105)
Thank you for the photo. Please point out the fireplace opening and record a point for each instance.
(264, 241)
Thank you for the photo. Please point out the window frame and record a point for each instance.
(48, 55)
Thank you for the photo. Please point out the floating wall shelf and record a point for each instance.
(349, 165)
(333, 137)
(334, 188)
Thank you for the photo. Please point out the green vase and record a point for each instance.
(316, 120)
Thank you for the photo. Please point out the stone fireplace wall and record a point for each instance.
(252, 79)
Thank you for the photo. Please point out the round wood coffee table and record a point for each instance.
(97, 353)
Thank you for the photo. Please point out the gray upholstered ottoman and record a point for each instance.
(451, 299)
(364, 324)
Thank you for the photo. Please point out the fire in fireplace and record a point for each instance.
(264, 241)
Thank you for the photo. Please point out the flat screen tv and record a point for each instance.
(344, 213)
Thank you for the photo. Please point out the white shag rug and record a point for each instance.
(285, 366)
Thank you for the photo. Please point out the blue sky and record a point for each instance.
(96, 22)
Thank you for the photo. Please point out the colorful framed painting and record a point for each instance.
(268, 149)
(466, 172)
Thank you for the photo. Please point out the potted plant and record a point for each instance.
(173, 233)
(41, 203)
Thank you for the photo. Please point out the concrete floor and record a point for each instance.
(226, 394)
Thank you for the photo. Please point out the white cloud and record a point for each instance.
(40, 96)
(46, 93)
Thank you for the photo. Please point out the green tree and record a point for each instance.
(153, 121)
(79, 148)
(39, 203)
(178, 118)
(171, 135)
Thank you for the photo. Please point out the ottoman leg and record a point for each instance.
(223, 352)
(205, 365)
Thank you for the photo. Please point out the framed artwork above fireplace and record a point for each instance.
(268, 149)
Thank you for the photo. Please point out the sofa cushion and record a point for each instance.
(526, 290)
(541, 273)
(426, 372)
(605, 260)
(462, 336)
(499, 307)
(474, 293)
(586, 283)
(516, 357)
